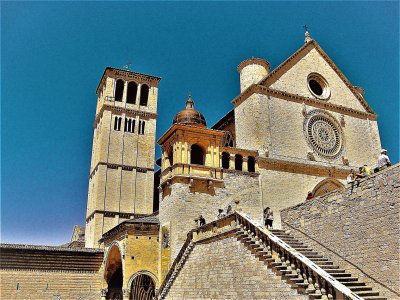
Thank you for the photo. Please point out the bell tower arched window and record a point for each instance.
(119, 90)
(144, 94)
(131, 93)
(196, 155)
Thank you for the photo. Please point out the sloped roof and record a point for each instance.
(277, 72)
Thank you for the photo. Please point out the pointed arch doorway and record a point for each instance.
(143, 286)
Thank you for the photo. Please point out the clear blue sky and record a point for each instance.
(54, 53)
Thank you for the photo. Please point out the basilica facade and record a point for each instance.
(294, 129)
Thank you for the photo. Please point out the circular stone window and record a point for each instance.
(318, 86)
(323, 134)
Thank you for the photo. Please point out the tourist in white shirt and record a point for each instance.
(383, 160)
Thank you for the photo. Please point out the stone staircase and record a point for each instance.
(359, 288)
(301, 267)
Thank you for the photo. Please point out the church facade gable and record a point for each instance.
(312, 74)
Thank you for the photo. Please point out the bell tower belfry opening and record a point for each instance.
(122, 167)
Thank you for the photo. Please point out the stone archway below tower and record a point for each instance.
(114, 274)
(327, 185)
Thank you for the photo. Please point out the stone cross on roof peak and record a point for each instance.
(307, 37)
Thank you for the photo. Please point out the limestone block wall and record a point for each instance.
(358, 229)
(251, 74)
(283, 189)
(35, 284)
(226, 269)
(141, 254)
(252, 123)
(287, 136)
(180, 207)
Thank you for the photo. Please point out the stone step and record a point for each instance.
(374, 298)
(322, 260)
(277, 230)
(301, 247)
(315, 296)
(329, 271)
(353, 283)
(311, 253)
(326, 265)
(288, 239)
(360, 288)
(346, 279)
(311, 256)
(366, 293)
(336, 275)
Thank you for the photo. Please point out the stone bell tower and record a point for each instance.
(122, 165)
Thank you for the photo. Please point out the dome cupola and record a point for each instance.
(190, 116)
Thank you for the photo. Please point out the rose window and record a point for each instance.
(323, 134)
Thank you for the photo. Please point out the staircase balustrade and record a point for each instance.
(293, 265)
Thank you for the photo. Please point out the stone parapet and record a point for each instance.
(357, 228)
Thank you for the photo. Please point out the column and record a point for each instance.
(125, 294)
(244, 165)
(125, 92)
(139, 87)
(232, 161)
(103, 294)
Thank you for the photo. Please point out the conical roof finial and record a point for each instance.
(307, 37)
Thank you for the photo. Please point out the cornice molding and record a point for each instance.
(314, 169)
(259, 89)
(109, 213)
(116, 166)
(128, 75)
(129, 112)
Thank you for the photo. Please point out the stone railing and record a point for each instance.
(307, 276)
(188, 170)
(312, 278)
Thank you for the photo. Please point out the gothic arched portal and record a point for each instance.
(142, 288)
(327, 185)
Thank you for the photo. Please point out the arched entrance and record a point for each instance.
(113, 274)
(327, 185)
(142, 287)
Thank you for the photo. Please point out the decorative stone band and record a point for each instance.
(109, 213)
(129, 112)
(259, 89)
(302, 167)
(116, 166)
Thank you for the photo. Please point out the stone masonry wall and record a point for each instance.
(29, 284)
(358, 229)
(181, 206)
(226, 269)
